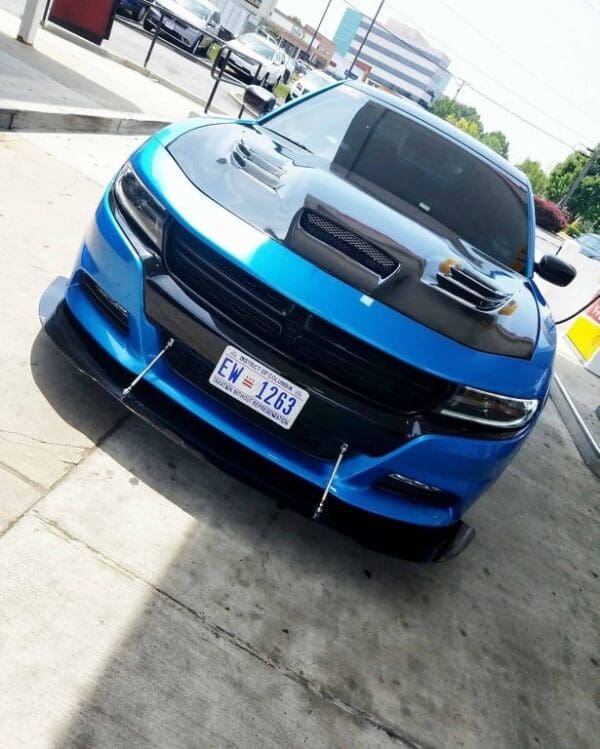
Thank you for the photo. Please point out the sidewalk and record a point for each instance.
(45, 75)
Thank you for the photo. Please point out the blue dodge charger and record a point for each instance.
(335, 301)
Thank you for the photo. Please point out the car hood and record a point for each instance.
(236, 46)
(181, 12)
(429, 274)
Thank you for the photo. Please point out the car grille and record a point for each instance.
(342, 360)
(318, 433)
(347, 242)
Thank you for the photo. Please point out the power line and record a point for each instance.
(523, 119)
(513, 58)
(487, 75)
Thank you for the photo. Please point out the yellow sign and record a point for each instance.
(584, 334)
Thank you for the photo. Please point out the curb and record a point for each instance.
(583, 438)
(47, 119)
(90, 47)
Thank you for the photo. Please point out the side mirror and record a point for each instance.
(554, 270)
(259, 99)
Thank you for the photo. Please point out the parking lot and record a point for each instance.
(150, 600)
(130, 42)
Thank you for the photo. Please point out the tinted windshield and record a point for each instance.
(404, 163)
(197, 7)
(258, 45)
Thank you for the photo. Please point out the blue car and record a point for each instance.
(335, 302)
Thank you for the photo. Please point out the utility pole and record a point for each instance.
(366, 36)
(314, 36)
(459, 89)
(563, 202)
(30, 20)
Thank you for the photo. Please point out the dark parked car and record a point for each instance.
(336, 301)
(133, 8)
(190, 23)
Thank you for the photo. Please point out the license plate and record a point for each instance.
(258, 387)
(169, 24)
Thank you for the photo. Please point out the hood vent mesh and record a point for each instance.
(347, 242)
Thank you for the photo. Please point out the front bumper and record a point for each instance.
(400, 539)
(179, 32)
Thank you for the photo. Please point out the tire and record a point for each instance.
(146, 23)
(286, 76)
(195, 50)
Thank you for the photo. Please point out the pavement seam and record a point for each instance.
(219, 632)
(44, 492)
(30, 482)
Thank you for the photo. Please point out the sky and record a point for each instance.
(539, 59)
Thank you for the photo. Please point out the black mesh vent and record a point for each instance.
(117, 314)
(351, 244)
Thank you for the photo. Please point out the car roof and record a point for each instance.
(403, 104)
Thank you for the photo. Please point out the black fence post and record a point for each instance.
(154, 38)
(225, 57)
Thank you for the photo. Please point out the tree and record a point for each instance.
(447, 108)
(548, 215)
(462, 123)
(585, 201)
(496, 140)
(537, 176)
(467, 118)
(563, 174)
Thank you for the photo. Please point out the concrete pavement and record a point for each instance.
(173, 85)
(60, 73)
(146, 599)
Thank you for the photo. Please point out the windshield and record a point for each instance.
(258, 45)
(198, 8)
(409, 166)
(592, 241)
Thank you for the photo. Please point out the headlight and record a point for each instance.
(142, 211)
(490, 409)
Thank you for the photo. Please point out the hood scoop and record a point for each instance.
(471, 289)
(349, 243)
(263, 165)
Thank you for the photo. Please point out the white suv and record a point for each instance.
(252, 50)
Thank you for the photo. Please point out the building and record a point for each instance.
(239, 16)
(400, 58)
(296, 39)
